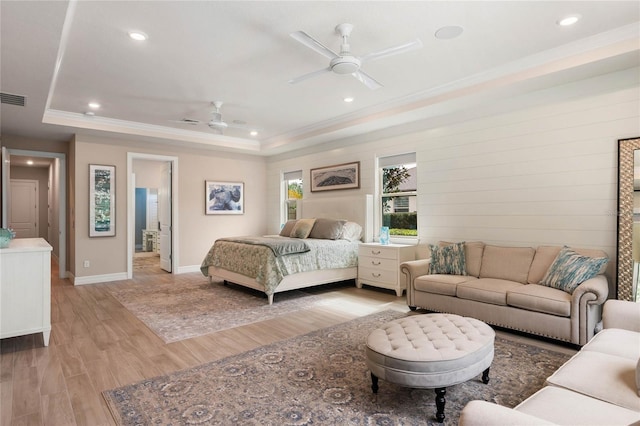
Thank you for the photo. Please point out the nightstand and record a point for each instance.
(379, 265)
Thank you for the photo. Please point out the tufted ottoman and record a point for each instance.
(430, 351)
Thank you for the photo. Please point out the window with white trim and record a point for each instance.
(399, 194)
(293, 192)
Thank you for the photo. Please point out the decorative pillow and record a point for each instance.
(327, 229)
(351, 231)
(302, 228)
(569, 269)
(448, 260)
(287, 228)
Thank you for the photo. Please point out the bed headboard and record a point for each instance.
(358, 208)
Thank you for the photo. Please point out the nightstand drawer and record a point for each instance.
(377, 275)
(378, 251)
(378, 263)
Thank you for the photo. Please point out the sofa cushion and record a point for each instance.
(605, 377)
(487, 290)
(538, 298)
(545, 255)
(473, 255)
(615, 341)
(448, 259)
(570, 269)
(564, 407)
(506, 263)
(440, 284)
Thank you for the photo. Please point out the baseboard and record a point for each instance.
(95, 279)
(188, 269)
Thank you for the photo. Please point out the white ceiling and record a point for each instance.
(62, 55)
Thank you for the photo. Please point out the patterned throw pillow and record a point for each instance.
(448, 260)
(570, 269)
(302, 228)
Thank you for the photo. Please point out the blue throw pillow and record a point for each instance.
(449, 260)
(570, 269)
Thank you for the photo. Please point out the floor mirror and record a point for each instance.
(628, 218)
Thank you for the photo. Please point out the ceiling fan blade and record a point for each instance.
(367, 80)
(413, 45)
(314, 44)
(310, 75)
(186, 121)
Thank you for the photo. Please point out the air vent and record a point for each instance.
(8, 98)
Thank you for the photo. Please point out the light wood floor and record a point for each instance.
(96, 344)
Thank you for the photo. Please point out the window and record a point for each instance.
(293, 193)
(399, 197)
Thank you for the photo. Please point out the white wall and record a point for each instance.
(542, 174)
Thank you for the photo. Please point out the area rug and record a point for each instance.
(190, 306)
(319, 378)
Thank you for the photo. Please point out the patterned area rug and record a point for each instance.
(186, 307)
(319, 378)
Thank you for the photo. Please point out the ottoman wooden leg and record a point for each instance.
(485, 376)
(440, 393)
(374, 383)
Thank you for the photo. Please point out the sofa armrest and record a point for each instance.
(413, 269)
(483, 413)
(621, 314)
(596, 289)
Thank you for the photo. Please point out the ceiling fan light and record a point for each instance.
(345, 65)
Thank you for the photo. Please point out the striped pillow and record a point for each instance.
(570, 269)
(449, 260)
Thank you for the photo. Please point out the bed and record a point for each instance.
(318, 260)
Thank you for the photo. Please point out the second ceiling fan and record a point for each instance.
(345, 62)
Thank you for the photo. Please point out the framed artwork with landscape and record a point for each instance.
(102, 201)
(224, 197)
(340, 176)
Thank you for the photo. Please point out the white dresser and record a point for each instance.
(379, 265)
(25, 288)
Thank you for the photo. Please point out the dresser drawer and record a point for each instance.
(377, 275)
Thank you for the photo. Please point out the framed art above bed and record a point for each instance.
(340, 176)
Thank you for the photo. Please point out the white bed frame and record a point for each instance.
(357, 209)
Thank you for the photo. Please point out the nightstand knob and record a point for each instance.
(377, 275)
(375, 263)
(375, 252)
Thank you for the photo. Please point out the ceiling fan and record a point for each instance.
(216, 123)
(346, 62)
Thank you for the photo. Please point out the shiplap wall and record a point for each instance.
(544, 174)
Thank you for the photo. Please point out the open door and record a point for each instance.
(6, 166)
(164, 217)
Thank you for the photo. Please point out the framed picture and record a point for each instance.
(340, 176)
(102, 201)
(224, 197)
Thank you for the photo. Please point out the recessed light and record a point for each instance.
(138, 35)
(94, 105)
(569, 20)
(449, 32)
(254, 133)
(348, 99)
(29, 162)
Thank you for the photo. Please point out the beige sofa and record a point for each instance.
(501, 288)
(600, 385)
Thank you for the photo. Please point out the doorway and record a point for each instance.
(55, 221)
(152, 212)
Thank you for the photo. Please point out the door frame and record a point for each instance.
(62, 199)
(131, 207)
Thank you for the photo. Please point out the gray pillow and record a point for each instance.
(287, 228)
(327, 229)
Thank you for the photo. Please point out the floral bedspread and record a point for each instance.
(259, 262)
